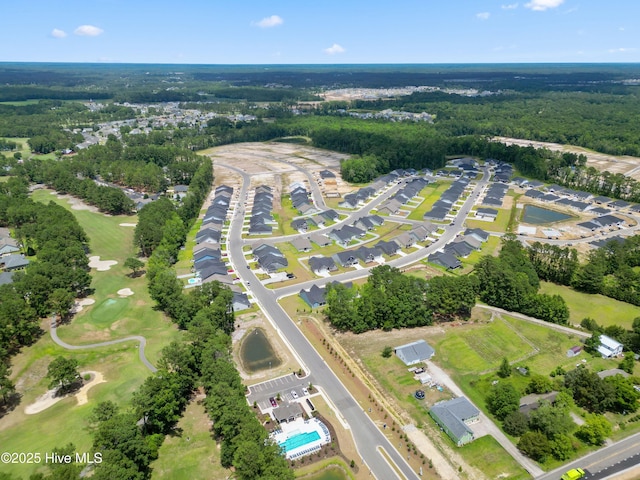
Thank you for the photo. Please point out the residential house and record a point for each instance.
(368, 255)
(389, 248)
(330, 215)
(314, 297)
(13, 262)
(477, 233)
(320, 239)
(6, 277)
(405, 240)
(573, 351)
(300, 224)
(302, 244)
(454, 417)
(346, 259)
(240, 301)
(445, 260)
(414, 352)
(609, 347)
(322, 265)
(487, 213)
(345, 234)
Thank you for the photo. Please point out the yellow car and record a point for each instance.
(573, 474)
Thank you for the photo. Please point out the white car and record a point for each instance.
(305, 391)
(294, 394)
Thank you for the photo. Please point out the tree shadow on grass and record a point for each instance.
(10, 403)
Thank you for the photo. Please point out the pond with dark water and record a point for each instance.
(538, 215)
(256, 352)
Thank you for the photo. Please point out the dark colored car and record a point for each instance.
(273, 402)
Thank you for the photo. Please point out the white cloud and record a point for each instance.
(542, 5)
(622, 50)
(333, 49)
(57, 33)
(511, 6)
(269, 22)
(88, 31)
(483, 15)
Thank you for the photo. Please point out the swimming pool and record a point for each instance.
(299, 440)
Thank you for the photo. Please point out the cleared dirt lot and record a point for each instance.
(626, 165)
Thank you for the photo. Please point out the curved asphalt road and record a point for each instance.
(142, 342)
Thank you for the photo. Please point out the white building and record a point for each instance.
(609, 347)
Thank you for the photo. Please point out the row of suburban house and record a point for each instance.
(412, 188)
(353, 200)
(300, 199)
(323, 266)
(442, 207)
(261, 221)
(319, 220)
(10, 257)
(460, 247)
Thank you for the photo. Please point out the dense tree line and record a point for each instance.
(58, 271)
(548, 431)
(510, 281)
(391, 299)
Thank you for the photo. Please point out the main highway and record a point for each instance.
(368, 437)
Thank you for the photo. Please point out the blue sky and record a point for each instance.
(331, 31)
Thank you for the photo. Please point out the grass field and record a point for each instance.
(111, 316)
(431, 193)
(604, 310)
(65, 421)
(496, 463)
(190, 454)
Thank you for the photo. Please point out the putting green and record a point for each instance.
(108, 311)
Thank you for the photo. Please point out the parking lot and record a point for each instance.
(261, 392)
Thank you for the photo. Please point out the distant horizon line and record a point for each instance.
(5, 62)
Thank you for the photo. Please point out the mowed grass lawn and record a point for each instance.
(604, 310)
(65, 421)
(112, 316)
(189, 454)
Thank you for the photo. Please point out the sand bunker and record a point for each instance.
(125, 292)
(80, 304)
(48, 399)
(128, 224)
(101, 265)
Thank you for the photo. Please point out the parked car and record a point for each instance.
(305, 391)
(294, 394)
(274, 404)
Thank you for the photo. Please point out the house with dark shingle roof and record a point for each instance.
(300, 224)
(13, 262)
(414, 352)
(445, 260)
(320, 239)
(314, 297)
(346, 258)
(368, 255)
(405, 240)
(454, 417)
(240, 301)
(389, 248)
(322, 265)
(330, 215)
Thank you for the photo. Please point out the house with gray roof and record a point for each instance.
(240, 301)
(322, 265)
(345, 234)
(320, 239)
(405, 240)
(389, 207)
(454, 417)
(389, 248)
(6, 277)
(487, 213)
(314, 297)
(208, 235)
(302, 244)
(445, 260)
(414, 352)
(330, 215)
(368, 255)
(477, 233)
(346, 258)
(7, 248)
(300, 224)
(13, 262)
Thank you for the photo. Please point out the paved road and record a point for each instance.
(142, 343)
(604, 462)
(366, 434)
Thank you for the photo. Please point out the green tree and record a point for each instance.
(134, 264)
(63, 372)
(562, 447)
(387, 352)
(595, 430)
(535, 445)
(502, 400)
(515, 423)
(7, 387)
(628, 363)
(539, 384)
(505, 369)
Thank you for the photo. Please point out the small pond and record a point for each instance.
(256, 352)
(329, 473)
(538, 215)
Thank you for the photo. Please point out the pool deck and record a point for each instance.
(316, 432)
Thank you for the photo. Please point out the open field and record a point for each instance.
(191, 453)
(111, 316)
(604, 310)
(431, 193)
(44, 431)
